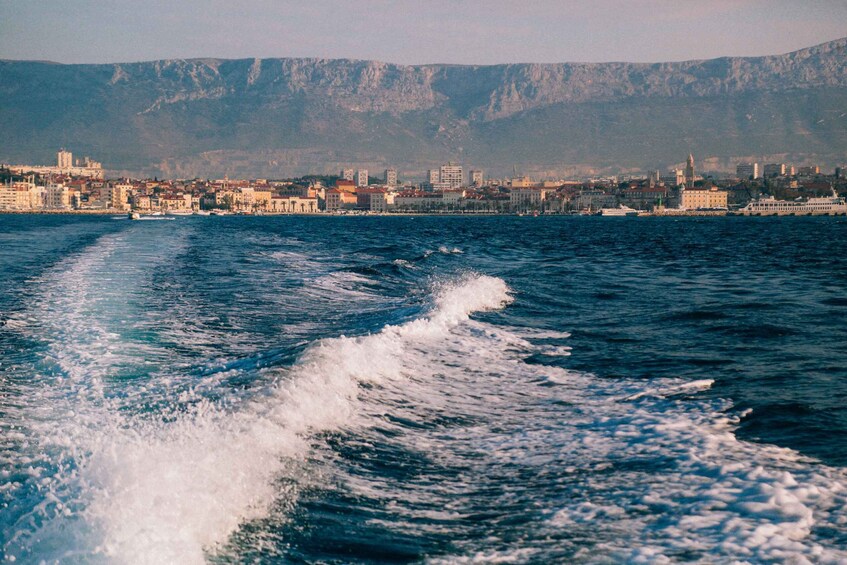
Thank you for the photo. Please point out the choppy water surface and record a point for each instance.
(442, 390)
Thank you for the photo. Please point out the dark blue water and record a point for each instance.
(443, 390)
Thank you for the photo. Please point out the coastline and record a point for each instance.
(641, 214)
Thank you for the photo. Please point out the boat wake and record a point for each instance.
(453, 424)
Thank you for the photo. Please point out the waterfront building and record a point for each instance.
(294, 204)
(527, 199)
(452, 198)
(451, 175)
(332, 200)
(142, 202)
(175, 202)
(594, 199)
(382, 201)
(747, 170)
(20, 195)
(391, 177)
(262, 198)
(347, 174)
(418, 201)
(476, 178)
(710, 199)
(689, 171)
(774, 170)
(374, 200)
(362, 177)
(116, 196)
(57, 197)
(337, 199)
(645, 197)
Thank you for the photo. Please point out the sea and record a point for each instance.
(418, 389)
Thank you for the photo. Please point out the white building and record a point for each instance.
(381, 201)
(20, 196)
(451, 175)
(362, 177)
(391, 177)
(432, 176)
(57, 197)
(476, 178)
(523, 199)
(452, 198)
(117, 196)
(64, 159)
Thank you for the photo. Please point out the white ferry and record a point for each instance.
(828, 205)
(620, 211)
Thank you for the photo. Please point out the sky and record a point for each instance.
(414, 31)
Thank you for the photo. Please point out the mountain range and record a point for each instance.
(278, 118)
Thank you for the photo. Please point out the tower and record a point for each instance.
(689, 171)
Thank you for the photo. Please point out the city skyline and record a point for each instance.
(443, 31)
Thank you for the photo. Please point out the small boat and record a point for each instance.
(134, 216)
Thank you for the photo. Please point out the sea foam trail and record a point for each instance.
(639, 471)
(169, 489)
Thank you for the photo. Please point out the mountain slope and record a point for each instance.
(278, 117)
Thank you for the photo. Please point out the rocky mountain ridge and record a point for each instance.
(287, 116)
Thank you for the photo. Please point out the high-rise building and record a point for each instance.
(64, 159)
(391, 177)
(432, 176)
(451, 175)
(362, 177)
(347, 174)
(689, 171)
(774, 170)
(809, 171)
(747, 170)
(476, 178)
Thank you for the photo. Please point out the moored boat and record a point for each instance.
(827, 205)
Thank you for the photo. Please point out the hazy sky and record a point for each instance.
(421, 31)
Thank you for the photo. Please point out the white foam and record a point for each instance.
(403, 263)
(533, 333)
(167, 488)
(640, 468)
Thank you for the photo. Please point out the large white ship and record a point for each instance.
(828, 205)
(619, 211)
